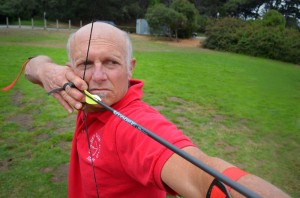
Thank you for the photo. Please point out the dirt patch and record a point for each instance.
(17, 98)
(176, 99)
(184, 122)
(190, 43)
(178, 110)
(227, 148)
(159, 107)
(46, 170)
(61, 174)
(218, 118)
(23, 120)
(42, 137)
(68, 124)
(140, 37)
(65, 146)
(4, 164)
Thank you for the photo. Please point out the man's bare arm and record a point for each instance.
(189, 181)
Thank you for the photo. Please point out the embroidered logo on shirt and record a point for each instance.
(95, 143)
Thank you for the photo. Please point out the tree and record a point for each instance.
(273, 19)
(132, 11)
(18, 8)
(210, 8)
(158, 18)
(242, 8)
(188, 10)
(290, 9)
(180, 19)
(177, 22)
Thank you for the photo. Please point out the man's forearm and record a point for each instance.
(36, 67)
(260, 186)
(250, 181)
(190, 181)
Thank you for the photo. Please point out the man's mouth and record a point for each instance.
(102, 93)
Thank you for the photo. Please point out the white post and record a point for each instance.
(7, 23)
(45, 21)
(32, 23)
(45, 24)
(19, 19)
(80, 23)
(69, 24)
(57, 27)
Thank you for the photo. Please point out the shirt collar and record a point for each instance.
(134, 93)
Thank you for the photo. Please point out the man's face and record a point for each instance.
(106, 72)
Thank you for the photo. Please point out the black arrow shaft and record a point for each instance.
(238, 187)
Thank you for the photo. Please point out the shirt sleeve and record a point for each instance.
(142, 157)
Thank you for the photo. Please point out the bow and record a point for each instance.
(85, 113)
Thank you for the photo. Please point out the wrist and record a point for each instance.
(35, 68)
(217, 189)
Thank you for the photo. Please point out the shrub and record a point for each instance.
(291, 46)
(265, 42)
(223, 34)
(266, 38)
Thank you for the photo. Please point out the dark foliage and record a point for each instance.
(263, 38)
(126, 12)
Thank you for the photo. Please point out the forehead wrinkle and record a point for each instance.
(106, 37)
(100, 46)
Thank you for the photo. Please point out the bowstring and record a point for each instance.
(88, 50)
(85, 113)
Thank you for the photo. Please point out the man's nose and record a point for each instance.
(99, 73)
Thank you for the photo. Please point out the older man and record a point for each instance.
(121, 161)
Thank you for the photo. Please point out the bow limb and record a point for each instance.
(85, 113)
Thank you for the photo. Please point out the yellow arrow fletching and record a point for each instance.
(89, 100)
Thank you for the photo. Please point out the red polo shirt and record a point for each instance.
(127, 162)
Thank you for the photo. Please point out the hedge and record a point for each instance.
(253, 38)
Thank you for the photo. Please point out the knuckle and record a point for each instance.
(64, 94)
(68, 89)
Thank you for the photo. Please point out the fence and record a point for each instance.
(57, 25)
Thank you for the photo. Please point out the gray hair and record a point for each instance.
(128, 51)
(69, 49)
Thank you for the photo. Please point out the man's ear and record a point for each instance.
(131, 67)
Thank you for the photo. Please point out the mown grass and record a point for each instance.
(245, 110)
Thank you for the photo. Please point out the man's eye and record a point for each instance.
(113, 62)
(84, 66)
(89, 65)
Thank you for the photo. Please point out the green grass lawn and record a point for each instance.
(243, 109)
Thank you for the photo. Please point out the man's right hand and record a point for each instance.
(41, 70)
